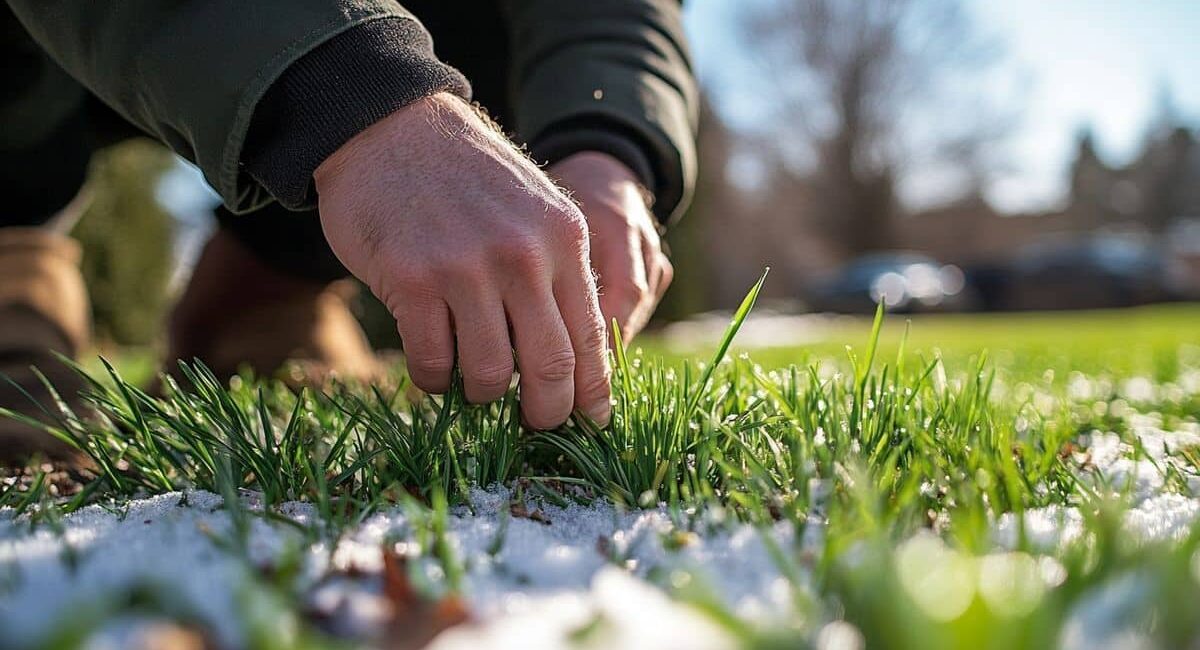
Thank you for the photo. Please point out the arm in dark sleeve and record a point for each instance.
(193, 75)
(612, 76)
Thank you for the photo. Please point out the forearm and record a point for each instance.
(194, 74)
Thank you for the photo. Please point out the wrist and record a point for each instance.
(590, 175)
(596, 164)
(332, 93)
(595, 134)
(404, 122)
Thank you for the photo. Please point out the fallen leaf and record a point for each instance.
(519, 511)
(416, 620)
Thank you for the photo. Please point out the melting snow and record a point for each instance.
(596, 572)
(554, 575)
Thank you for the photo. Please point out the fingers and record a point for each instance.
(622, 279)
(666, 275)
(428, 344)
(545, 356)
(651, 250)
(659, 270)
(484, 349)
(575, 293)
(656, 268)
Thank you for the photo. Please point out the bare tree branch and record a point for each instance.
(851, 81)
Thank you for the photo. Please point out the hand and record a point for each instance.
(625, 248)
(466, 240)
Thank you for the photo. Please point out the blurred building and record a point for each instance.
(1139, 218)
(1152, 194)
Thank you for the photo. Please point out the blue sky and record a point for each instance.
(1098, 62)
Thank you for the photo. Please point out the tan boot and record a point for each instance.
(238, 312)
(43, 309)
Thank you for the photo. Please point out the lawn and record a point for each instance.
(1006, 481)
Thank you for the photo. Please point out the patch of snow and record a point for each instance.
(595, 576)
(1114, 617)
(555, 575)
(1159, 444)
(615, 611)
(1045, 528)
(1163, 517)
(100, 555)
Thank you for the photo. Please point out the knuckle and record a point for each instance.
(594, 388)
(491, 377)
(625, 300)
(555, 367)
(570, 226)
(650, 233)
(524, 255)
(668, 272)
(414, 283)
(430, 367)
(631, 289)
(464, 267)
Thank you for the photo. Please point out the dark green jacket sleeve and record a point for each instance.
(586, 68)
(192, 73)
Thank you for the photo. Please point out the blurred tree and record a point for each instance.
(867, 91)
(126, 237)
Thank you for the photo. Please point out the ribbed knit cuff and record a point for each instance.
(596, 134)
(333, 93)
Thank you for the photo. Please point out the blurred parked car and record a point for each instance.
(991, 284)
(1089, 272)
(902, 281)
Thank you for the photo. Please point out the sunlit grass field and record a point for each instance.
(991, 481)
(1139, 340)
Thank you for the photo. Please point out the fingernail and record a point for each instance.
(600, 412)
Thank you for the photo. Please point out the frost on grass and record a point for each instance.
(593, 571)
(1136, 475)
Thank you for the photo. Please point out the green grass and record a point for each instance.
(1143, 340)
(907, 449)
